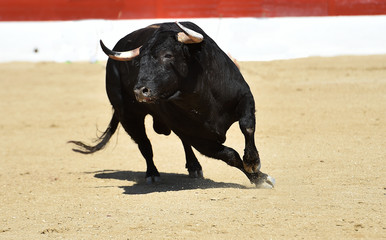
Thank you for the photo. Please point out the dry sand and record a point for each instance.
(321, 132)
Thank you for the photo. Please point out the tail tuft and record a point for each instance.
(102, 140)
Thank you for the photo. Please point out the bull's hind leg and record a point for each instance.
(246, 109)
(136, 129)
(192, 164)
(232, 158)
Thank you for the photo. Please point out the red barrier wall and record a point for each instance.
(43, 10)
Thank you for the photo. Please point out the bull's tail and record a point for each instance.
(101, 141)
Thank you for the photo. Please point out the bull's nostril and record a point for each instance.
(142, 94)
(145, 91)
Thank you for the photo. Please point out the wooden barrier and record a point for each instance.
(47, 10)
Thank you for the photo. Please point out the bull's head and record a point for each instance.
(163, 62)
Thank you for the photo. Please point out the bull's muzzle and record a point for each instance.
(143, 94)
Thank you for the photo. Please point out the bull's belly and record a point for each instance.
(194, 126)
(196, 133)
(194, 130)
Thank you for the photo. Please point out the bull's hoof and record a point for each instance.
(267, 183)
(251, 168)
(262, 180)
(196, 174)
(153, 179)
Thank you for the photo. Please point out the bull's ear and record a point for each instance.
(188, 35)
(120, 56)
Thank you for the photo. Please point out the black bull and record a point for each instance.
(178, 75)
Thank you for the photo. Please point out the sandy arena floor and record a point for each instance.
(321, 132)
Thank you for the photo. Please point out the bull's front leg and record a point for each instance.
(192, 164)
(247, 122)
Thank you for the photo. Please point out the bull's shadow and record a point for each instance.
(169, 182)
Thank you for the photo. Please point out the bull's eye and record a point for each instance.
(168, 56)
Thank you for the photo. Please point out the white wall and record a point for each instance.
(245, 38)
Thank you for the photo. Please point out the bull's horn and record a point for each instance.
(120, 56)
(188, 35)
